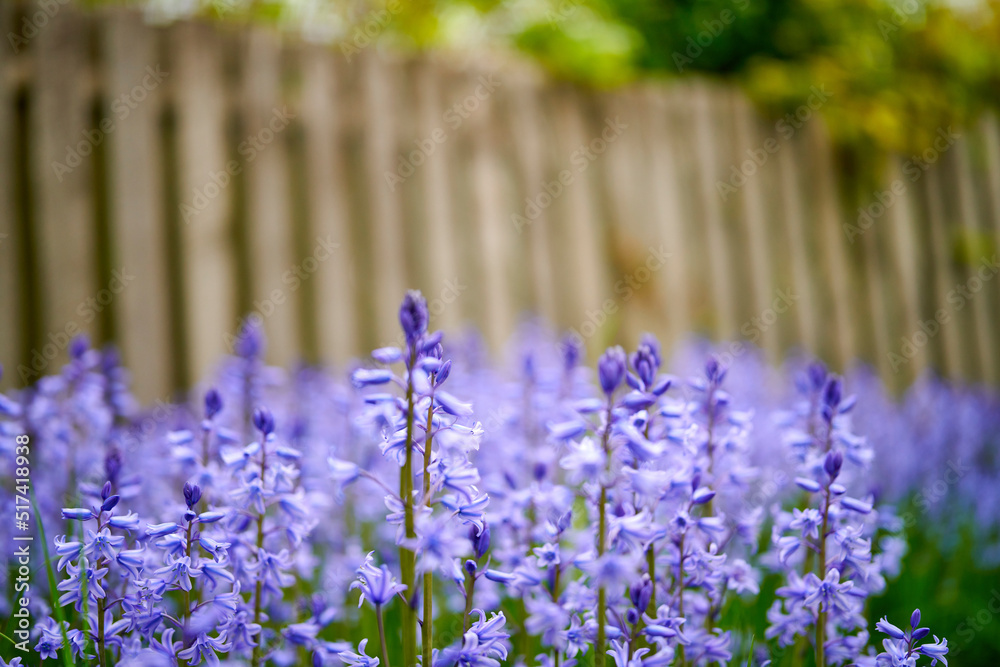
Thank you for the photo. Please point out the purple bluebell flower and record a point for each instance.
(376, 583)
(413, 316)
(611, 369)
(213, 403)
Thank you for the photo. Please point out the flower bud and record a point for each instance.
(192, 494)
(413, 315)
(833, 463)
(263, 421)
(213, 403)
(109, 503)
(611, 369)
(480, 541)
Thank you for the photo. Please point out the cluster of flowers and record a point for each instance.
(484, 514)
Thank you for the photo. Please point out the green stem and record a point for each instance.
(680, 597)
(602, 595)
(821, 616)
(101, 658)
(428, 626)
(255, 659)
(100, 632)
(470, 589)
(407, 559)
(651, 569)
(381, 635)
(187, 602)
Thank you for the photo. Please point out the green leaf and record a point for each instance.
(53, 591)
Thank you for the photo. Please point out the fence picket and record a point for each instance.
(471, 213)
(12, 287)
(706, 125)
(384, 281)
(62, 165)
(327, 204)
(208, 264)
(131, 67)
(270, 231)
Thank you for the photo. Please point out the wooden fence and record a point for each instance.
(160, 182)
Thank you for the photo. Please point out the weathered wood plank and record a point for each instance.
(132, 69)
(975, 224)
(384, 282)
(831, 243)
(875, 279)
(488, 195)
(709, 169)
(794, 223)
(14, 318)
(577, 206)
(990, 129)
(940, 257)
(270, 228)
(669, 223)
(62, 174)
(901, 230)
(528, 131)
(206, 234)
(757, 233)
(435, 141)
(329, 214)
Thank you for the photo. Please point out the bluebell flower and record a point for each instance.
(376, 583)
(413, 316)
(611, 369)
(102, 544)
(128, 522)
(361, 658)
(178, 572)
(72, 587)
(829, 593)
(204, 648)
(263, 421)
(469, 511)
(77, 513)
(213, 403)
(161, 529)
(367, 377)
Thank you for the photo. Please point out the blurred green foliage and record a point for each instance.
(898, 70)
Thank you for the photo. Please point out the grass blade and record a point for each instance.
(53, 591)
